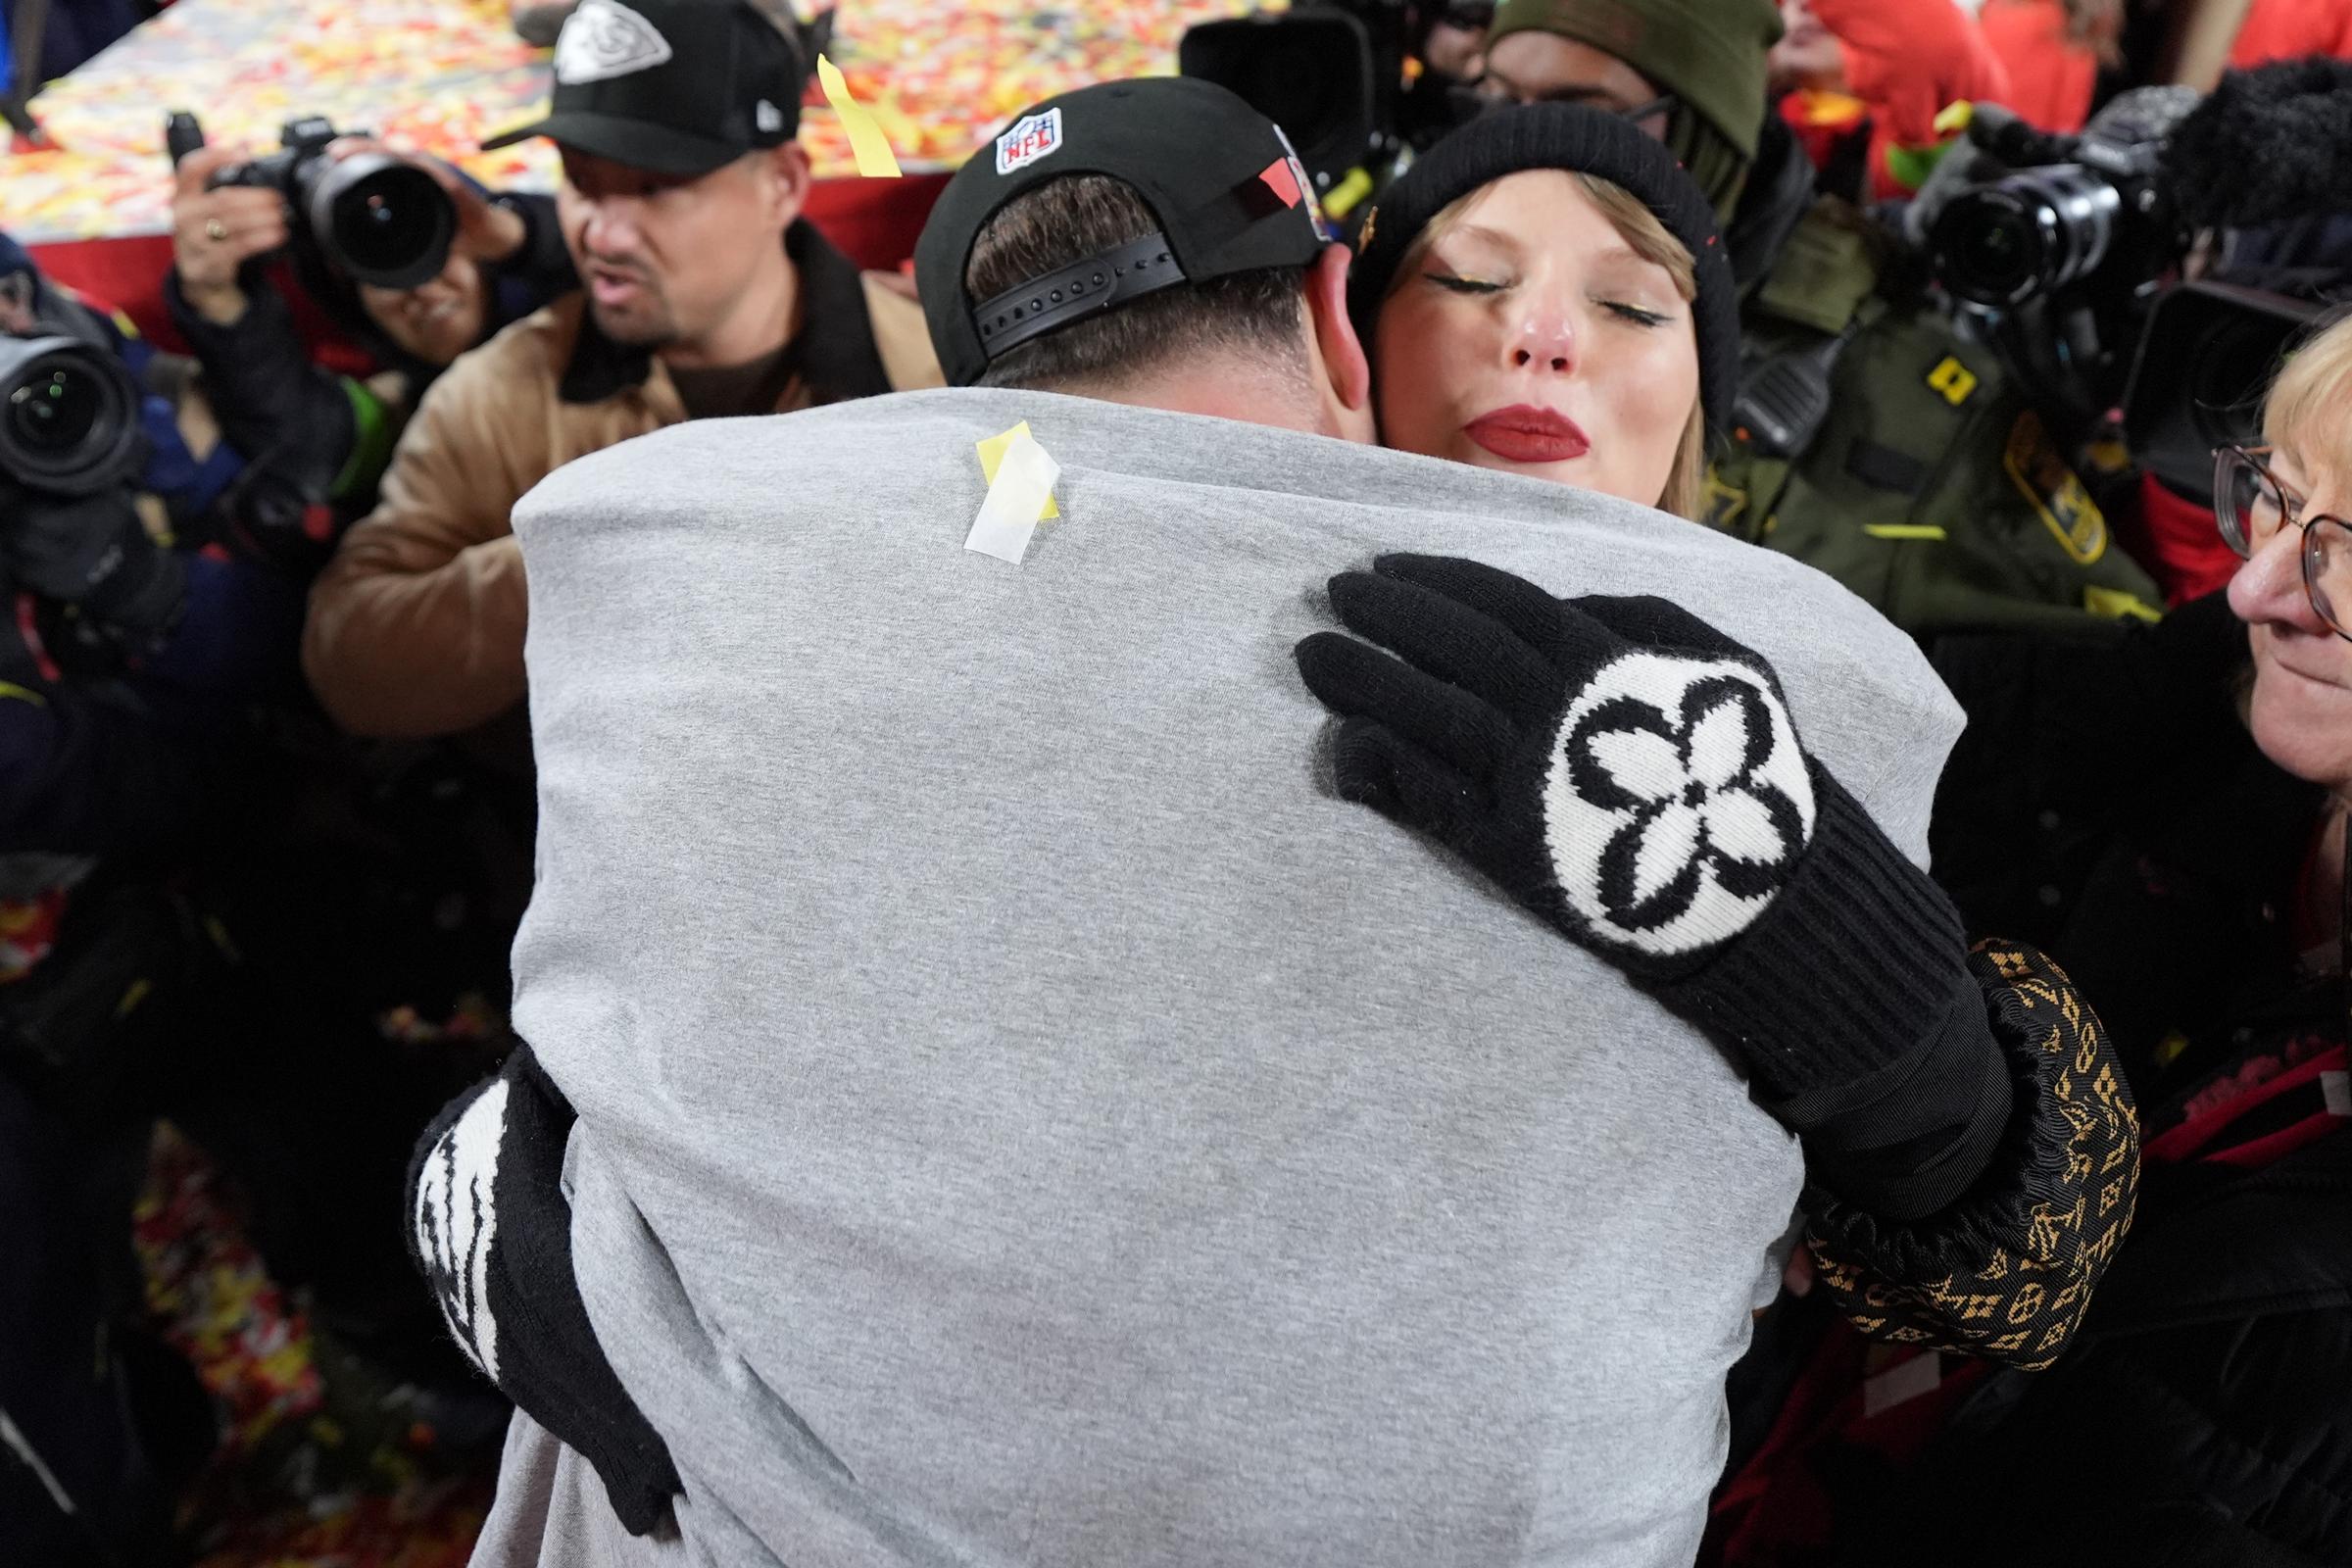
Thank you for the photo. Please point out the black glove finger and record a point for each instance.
(1354, 679)
(1376, 767)
(1447, 639)
(1663, 624)
(1512, 602)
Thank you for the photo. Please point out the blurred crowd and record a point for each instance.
(2035, 358)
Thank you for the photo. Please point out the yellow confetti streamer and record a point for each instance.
(867, 144)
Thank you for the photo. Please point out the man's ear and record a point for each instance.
(787, 166)
(1346, 367)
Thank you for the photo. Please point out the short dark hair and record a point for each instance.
(1065, 220)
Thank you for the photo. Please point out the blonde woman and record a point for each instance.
(1545, 293)
(2201, 778)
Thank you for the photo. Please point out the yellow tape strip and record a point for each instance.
(1903, 530)
(991, 455)
(867, 144)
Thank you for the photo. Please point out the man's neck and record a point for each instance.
(1222, 391)
(766, 317)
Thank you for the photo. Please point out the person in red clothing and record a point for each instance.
(2288, 30)
(1905, 59)
(2052, 50)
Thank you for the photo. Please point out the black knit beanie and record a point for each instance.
(1578, 140)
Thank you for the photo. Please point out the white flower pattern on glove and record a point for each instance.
(1676, 802)
(455, 1216)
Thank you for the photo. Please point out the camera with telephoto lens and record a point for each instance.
(71, 451)
(69, 417)
(374, 217)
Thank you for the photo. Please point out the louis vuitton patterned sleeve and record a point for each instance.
(2007, 1272)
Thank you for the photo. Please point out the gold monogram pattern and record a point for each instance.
(2047, 1236)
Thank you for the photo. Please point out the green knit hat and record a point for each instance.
(1708, 53)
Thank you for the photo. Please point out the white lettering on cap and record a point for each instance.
(604, 40)
(1032, 136)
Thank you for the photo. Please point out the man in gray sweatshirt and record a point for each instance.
(988, 1102)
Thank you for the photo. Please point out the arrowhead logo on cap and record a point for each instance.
(604, 40)
(767, 117)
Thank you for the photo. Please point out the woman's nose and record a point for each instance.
(2269, 588)
(1546, 342)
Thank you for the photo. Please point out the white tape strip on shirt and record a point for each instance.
(1016, 498)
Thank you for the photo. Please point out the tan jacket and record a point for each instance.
(415, 627)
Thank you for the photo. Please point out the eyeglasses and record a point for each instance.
(1660, 105)
(2252, 504)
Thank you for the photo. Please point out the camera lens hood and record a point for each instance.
(69, 417)
(379, 220)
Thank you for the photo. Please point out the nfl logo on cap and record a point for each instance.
(1032, 136)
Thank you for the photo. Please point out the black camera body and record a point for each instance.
(2045, 228)
(374, 217)
(2062, 252)
(72, 449)
(1332, 75)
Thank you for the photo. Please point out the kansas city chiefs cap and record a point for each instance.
(1220, 178)
(676, 86)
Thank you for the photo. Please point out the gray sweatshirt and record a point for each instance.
(1024, 1117)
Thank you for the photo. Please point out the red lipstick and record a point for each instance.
(1525, 433)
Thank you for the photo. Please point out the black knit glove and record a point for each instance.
(492, 1232)
(1630, 774)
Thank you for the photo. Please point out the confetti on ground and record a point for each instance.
(322, 1463)
(440, 75)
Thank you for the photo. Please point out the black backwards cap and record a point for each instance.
(1220, 178)
(676, 86)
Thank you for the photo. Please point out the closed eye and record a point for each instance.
(1463, 285)
(1634, 314)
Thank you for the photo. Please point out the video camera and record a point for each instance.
(2076, 204)
(2070, 256)
(375, 218)
(2059, 245)
(1334, 76)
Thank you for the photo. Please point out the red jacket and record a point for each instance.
(2286, 30)
(1909, 60)
(2051, 76)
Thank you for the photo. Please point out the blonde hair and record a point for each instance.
(1685, 489)
(2308, 410)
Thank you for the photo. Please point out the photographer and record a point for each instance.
(325, 439)
(124, 670)
(1875, 442)
(709, 294)
(122, 653)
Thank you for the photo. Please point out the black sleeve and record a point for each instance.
(274, 406)
(2068, 743)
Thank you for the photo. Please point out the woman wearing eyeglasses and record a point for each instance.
(2167, 818)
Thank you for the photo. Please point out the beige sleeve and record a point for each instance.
(416, 626)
